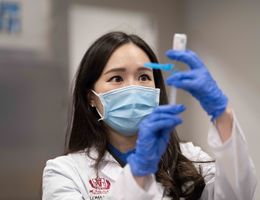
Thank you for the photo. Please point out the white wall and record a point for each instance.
(226, 35)
(83, 32)
(89, 20)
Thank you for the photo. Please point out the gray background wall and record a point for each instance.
(226, 35)
(35, 90)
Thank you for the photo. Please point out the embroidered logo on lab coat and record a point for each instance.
(99, 186)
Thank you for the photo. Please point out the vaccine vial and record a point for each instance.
(179, 41)
(179, 44)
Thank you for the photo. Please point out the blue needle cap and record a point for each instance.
(165, 67)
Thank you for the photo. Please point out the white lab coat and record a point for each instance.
(231, 177)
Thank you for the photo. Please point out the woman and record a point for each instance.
(122, 145)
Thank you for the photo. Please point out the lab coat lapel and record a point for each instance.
(110, 167)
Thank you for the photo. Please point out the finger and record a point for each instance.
(164, 135)
(161, 116)
(170, 109)
(184, 80)
(163, 140)
(163, 124)
(181, 75)
(184, 84)
(164, 111)
(188, 57)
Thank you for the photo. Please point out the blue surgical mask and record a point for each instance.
(124, 108)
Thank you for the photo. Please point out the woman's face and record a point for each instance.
(125, 67)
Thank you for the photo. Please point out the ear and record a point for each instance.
(91, 98)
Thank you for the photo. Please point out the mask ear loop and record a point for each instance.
(101, 117)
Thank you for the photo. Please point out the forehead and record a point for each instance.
(127, 55)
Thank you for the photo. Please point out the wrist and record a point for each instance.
(220, 108)
(224, 124)
(140, 180)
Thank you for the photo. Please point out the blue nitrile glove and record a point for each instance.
(198, 82)
(153, 137)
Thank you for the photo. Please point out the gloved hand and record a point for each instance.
(153, 137)
(198, 82)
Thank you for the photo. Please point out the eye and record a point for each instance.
(144, 77)
(115, 79)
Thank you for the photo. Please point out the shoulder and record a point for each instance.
(68, 164)
(63, 175)
(60, 162)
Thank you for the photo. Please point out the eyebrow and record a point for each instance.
(122, 69)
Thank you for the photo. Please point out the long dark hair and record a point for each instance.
(85, 132)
